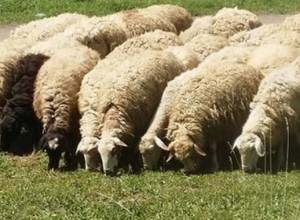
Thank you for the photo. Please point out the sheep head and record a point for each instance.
(110, 148)
(150, 153)
(185, 150)
(54, 143)
(88, 147)
(251, 148)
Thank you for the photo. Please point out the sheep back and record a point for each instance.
(58, 83)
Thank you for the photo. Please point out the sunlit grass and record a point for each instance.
(28, 191)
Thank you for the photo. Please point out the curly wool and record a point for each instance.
(256, 36)
(150, 152)
(176, 15)
(57, 85)
(157, 40)
(206, 44)
(24, 37)
(229, 21)
(219, 106)
(135, 95)
(44, 28)
(274, 103)
(202, 25)
(269, 57)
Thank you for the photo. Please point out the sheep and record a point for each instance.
(130, 92)
(256, 36)
(238, 54)
(17, 117)
(292, 23)
(147, 147)
(176, 15)
(25, 37)
(138, 21)
(41, 29)
(156, 40)
(274, 116)
(202, 25)
(229, 21)
(55, 102)
(102, 34)
(266, 34)
(206, 44)
(269, 57)
(208, 111)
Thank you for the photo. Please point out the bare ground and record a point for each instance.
(267, 18)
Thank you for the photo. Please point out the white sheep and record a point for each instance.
(229, 21)
(41, 29)
(269, 57)
(149, 150)
(55, 101)
(206, 44)
(274, 115)
(255, 37)
(201, 25)
(130, 94)
(208, 112)
(176, 15)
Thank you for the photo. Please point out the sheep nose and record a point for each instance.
(109, 173)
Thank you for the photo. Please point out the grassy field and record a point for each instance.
(25, 10)
(28, 191)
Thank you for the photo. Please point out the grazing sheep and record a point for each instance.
(238, 54)
(209, 111)
(256, 36)
(44, 28)
(130, 94)
(101, 34)
(24, 37)
(147, 147)
(269, 57)
(274, 110)
(206, 44)
(55, 102)
(157, 40)
(176, 15)
(229, 21)
(203, 44)
(202, 25)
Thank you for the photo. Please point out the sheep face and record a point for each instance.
(150, 154)
(88, 147)
(110, 149)
(55, 144)
(251, 148)
(185, 150)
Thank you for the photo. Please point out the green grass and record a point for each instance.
(25, 10)
(28, 191)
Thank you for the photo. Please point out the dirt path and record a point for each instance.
(268, 18)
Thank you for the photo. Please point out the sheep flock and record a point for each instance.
(153, 89)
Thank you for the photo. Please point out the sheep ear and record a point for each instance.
(259, 147)
(161, 144)
(120, 143)
(199, 150)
